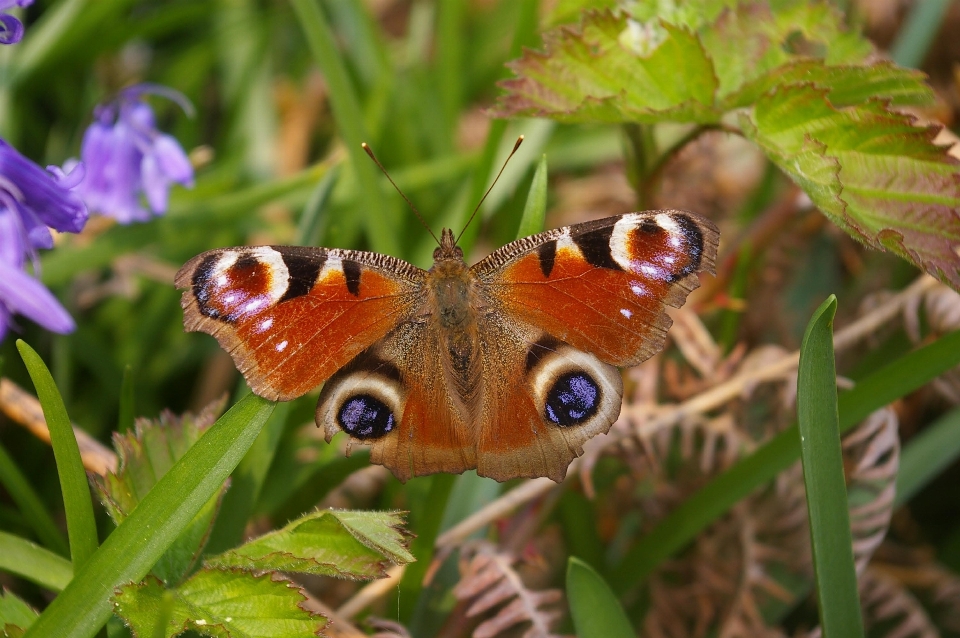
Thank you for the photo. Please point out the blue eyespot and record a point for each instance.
(365, 417)
(574, 398)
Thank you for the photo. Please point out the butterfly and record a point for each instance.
(508, 366)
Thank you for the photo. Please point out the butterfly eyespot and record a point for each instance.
(365, 417)
(573, 399)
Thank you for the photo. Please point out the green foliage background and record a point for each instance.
(284, 94)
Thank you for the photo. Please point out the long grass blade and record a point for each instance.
(77, 503)
(900, 377)
(29, 502)
(133, 548)
(820, 455)
(38, 565)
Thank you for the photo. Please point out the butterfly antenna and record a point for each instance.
(369, 151)
(480, 203)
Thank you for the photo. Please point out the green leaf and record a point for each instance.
(345, 544)
(29, 502)
(245, 484)
(77, 504)
(927, 455)
(606, 72)
(870, 170)
(14, 613)
(146, 454)
(36, 564)
(662, 65)
(894, 380)
(535, 210)
(595, 610)
(423, 546)
(221, 603)
(136, 545)
(823, 477)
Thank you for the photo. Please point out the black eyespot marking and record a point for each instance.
(544, 346)
(693, 239)
(595, 246)
(351, 272)
(547, 253)
(201, 279)
(302, 276)
(573, 399)
(365, 417)
(649, 226)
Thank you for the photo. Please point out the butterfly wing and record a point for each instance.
(565, 307)
(395, 398)
(291, 316)
(603, 286)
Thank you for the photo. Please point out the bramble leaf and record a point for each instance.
(801, 86)
(220, 603)
(679, 66)
(870, 169)
(345, 544)
(146, 453)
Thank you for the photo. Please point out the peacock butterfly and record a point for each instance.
(507, 366)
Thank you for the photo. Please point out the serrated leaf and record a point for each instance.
(345, 544)
(614, 70)
(15, 615)
(870, 169)
(219, 603)
(146, 453)
(660, 65)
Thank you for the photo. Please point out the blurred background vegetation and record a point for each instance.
(274, 141)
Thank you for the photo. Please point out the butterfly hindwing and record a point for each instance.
(395, 398)
(292, 316)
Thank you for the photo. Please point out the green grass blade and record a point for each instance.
(595, 610)
(535, 210)
(927, 455)
(820, 455)
(917, 33)
(900, 377)
(381, 224)
(133, 547)
(36, 564)
(30, 504)
(313, 222)
(449, 56)
(127, 411)
(77, 503)
(411, 584)
(247, 480)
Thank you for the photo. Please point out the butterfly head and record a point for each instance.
(448, 249)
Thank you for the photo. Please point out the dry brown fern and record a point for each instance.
(490, 582)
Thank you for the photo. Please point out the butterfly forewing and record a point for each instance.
(603, 286)
(290, 316)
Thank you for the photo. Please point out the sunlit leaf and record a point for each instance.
(220, 603)
(870, 169)
(661, 65)
(146, 454)
(345, 544)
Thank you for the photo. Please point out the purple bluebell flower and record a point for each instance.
(32, 201)
(11, 29)
(129, 162)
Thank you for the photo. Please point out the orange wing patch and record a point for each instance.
(290, 318)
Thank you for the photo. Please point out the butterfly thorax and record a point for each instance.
(454, 306)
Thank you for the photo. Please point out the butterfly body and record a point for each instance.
(507, 366)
